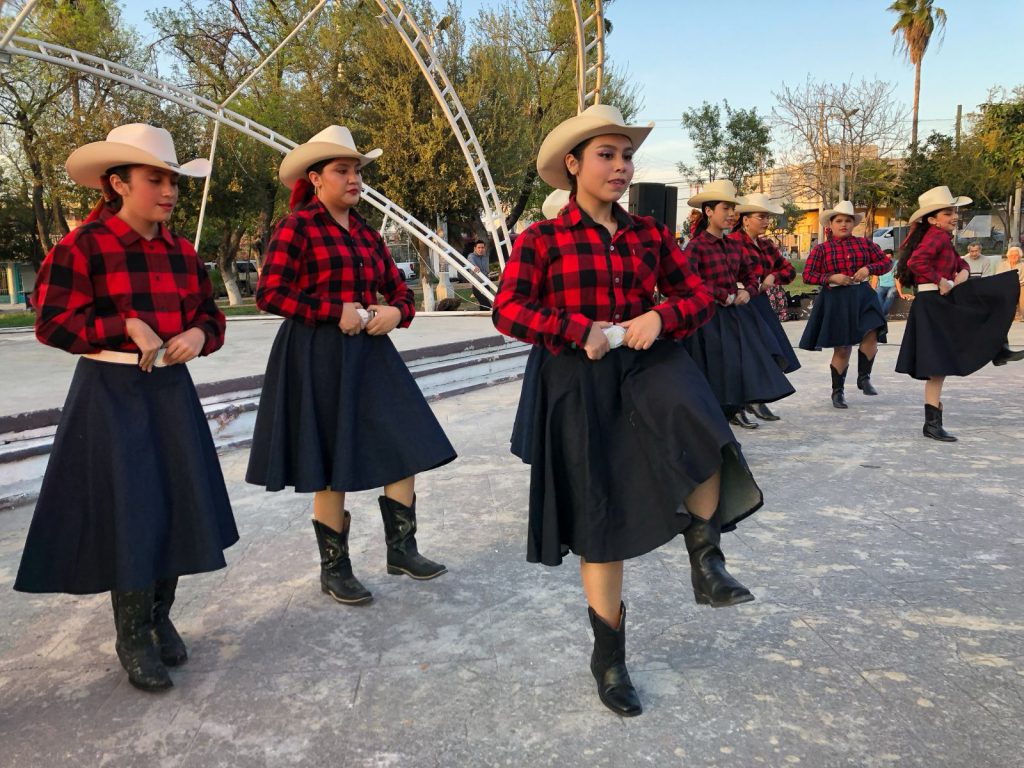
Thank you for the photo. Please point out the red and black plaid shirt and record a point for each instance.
(568, 272)
(764, 259)
(314, 265)
(935, 258)
(844, 256)
(722, 264)
(105, 272)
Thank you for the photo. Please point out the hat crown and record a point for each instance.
(843, 208)
(605, 113)
(148, 138)
(335, 134)
(936, 195)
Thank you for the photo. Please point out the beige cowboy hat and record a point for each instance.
(554, 203)
(719, 190)
(132, 144)
(935, 199)
(332, 142)
(596, 120)
(842, 208)
(758, 202)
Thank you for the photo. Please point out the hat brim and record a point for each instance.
(752, 208)
(295, 163)
(828, 215)
(557, 144)
(88, 164)
(554, 203)
(958, 202)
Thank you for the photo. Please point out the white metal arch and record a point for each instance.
(589, 55)
(97, 67)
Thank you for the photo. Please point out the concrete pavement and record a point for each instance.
(888, 628)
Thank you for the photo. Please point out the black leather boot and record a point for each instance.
(864, 365)
(336, 577)
(400, 534)
(168, 641)
(608, 665)
(712, 584)
(739, 419)
(1007, 355)
(762, 412)
(838, 385)
(136, 644)
(933, 424)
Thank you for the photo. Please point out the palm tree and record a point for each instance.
(917, 22)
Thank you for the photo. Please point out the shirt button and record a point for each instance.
(618, 317)
(613, 248)
(618, 280)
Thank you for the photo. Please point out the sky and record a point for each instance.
(682, 53)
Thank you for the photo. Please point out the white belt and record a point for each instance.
(124, 358)
(922, 287)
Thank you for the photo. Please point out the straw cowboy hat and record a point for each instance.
(719, 190)
(843, 208)
(554, 203)
(332, 142)
(758, 202)
(132, 144)
(935, 199)
(596, 120)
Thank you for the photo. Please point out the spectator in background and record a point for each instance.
(478, 258)
(979, 265)
(1013, 261)
(888, 287)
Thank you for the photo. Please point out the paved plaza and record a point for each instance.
(888, 628)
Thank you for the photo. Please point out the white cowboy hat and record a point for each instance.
(596, 120)
(935, 199)
(842, 208)
(758, 202)
(719, 190)
(554, 203)
(333, 141)
(132, 144)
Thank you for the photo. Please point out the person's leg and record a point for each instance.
(398, 510)
(840, 362)
(865, 361)
(331, 525)
(712, 584)
(602, 585)
(933, 411)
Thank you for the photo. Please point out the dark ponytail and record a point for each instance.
(907, 248)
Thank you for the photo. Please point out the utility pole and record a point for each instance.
(959, 120)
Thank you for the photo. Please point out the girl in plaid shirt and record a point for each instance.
(133, 495)
(626, 445)
(339, 410)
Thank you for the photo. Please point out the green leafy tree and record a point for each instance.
(918, 21)
(738, 149)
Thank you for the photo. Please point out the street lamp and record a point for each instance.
(847, 114)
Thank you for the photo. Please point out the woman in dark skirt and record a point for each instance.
(737, 350)
(847, 310)
(339, 410)
(133, 495)
(770, 270)
(956, 325)
(626, 443)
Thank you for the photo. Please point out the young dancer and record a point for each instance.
(847, 310)
(133, 495)
(770, 271)
(737, 350)
(627, 445)
(956, 325)
(339, 410)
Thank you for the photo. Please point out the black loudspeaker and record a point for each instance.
(647, 199)
(671, 201)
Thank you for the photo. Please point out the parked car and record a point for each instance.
(246, 275)
(408, 269)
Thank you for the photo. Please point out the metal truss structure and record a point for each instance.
(589, 54)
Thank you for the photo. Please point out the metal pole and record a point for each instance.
(206, 186)
(18, 21)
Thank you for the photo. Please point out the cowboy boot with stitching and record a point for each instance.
(136, 644)
(712, 584)
(400, 535)
(608, 665)
(933, 424)
(336, 578)
(864, 365)
(838, 385)
(761, 411)
(169, 643)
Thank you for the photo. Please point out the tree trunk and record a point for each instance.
(524, 196)
(38, 205)
(425, 281)
(225, 262)
(917, 101)
(265, 222)
(59, 215)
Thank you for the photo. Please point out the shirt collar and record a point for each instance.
(319, 209)
(124, 232)
(576, 216)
